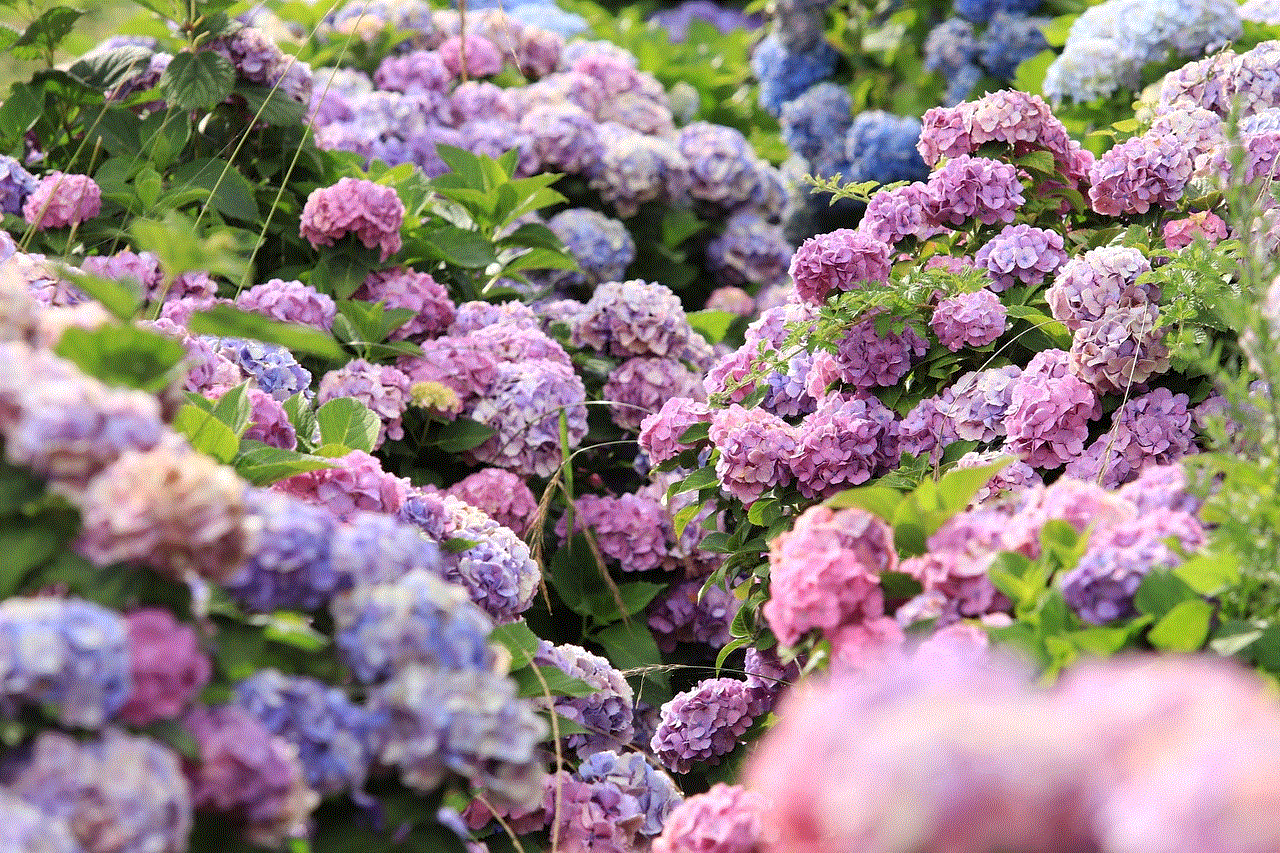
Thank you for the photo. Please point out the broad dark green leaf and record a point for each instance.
(206, 433)
(1184, 628)
(557, 683)
(197, 81)
(123, 356)
(229, 193)
(468, 249)
(348, 423)
(462, 434)
(262, 464)
(272, 106)
(109, 68)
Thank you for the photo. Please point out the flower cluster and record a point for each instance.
(373, 213)
(702, 724)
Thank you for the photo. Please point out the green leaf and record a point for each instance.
(303, 419)
(123, 356)
(899, 586)
(292, 629)
(197, 81)
(206, 433)
(108, 69)
(18, 488)
(517, 639)
(340, 273)
(348, 423)
(262, 464)
(175, 736)
(631, 646)
(1209, 574)
(229, 193)
(1184, 628)
(877, 500)
(1038, 160)
(712, 325)
(682, 518)
(558, 683)
(958, 486)
(678, 225)
(18, 114)
(453, 245)
(462, 434)
(226, 321)
(272, 106)
(46, 33)
(764, 512)
(26, 543)
(701, 479)
(635, 596)
(122, 299)
(1160, 592)
(696, 433)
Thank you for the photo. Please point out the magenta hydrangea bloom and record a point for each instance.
(734, 376)
(631, 530)
(641, 385)
(502, 495)
(726, 819)
(382, 388)
(1021, 253)
(702, 724)
(868, 359)
(169, 669)
(660, 432)
(893, 215)
(1180, 233)
(683, 613)
(634, 318)
(246, 773)
(606, 714)
(1099, 281)
(1008, 117)
(732, 300)
(290, 302)
(355, 483)
(524, 408)
(60, 200)
(268, 421)
(841, 260)
(1121, 349)
(414, 291)
(143, 268)
(1048, 419)
(845, 442)
(482, 58)
(370, 211)
(825, 572)
(969, 320)
(756, 449)
(1138, 173)
(973, 188)
(462, 363)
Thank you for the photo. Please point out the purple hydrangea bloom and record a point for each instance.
(767, 678)
(372, 212)
(168, 668)
(631, 530)
(258, 60)
(498, 570)
(750, 250)
(602, 246)
(1100, 280)
(606, 714)
(642, 384)
(1122, 348)
(501, 495)
(928, 428)
(976, 404)
(676, 20)
(654, 790)
(59, 200)
(841, 260)
(1161, 486)
(725, 819)
(1180, 233)
(482, 57)
(660, 432)
(785, 73)
(895, 214)
(564, 137)
(115, 793)
(843, 443)
(635, 168)
(268, 421)
(467, 722)
(1148, 430)
(756, 449)
(143, 268)
(70, 654)
(26, 829)
(381, 388)
(16, 183)
(973, 188)
(1140, 172)
(685, 613)
(634, 318)
(702, 724)
(463, 363)
(247, 773)
(969, 320)
(1048, 419)
(480, 101)
(495, 137)
(273, 367)
(373, 547)
(416, 71)
(290, 302)
(290, 565)
(722, 169)
(524, 408)
(335, 738)
(815, 122)
(511, 316)
(868, 359)
(1021, 253)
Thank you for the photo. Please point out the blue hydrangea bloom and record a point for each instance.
(377, 548)
(962, 84)
(814, 124)
(291, 565)
(785, 74)
(603, 247)
(274, 367)
(1009, 40)
(16, 183)
(981, 11)
(950, 46)
(881, 147)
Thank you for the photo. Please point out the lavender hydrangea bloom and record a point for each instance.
(1099, 281)
(756, 449)
(969, 320)
(290, 302)
(868, 359)
(249, 774)
(702, 724)
(372, 212)
(950, 46)
(1014, 477)
(1138, 173)
(335, 738)
(115, 793)
(838, 261)
(976, 404)
(973, 188)
(291, 563)
(785, 73)
(416, 71)
(273, 367)
(685, 613)
(167, 666)
(641, 385)
(16, 183)
(767, 678)
(843, 443)
(631, 530)
(143, 268)
(71, 654)
(606, 714)
(928, 429)
(60, 200)
(28, 830)
(602, 246)
(725, 819)
(750, 250)
(815, 122)
(634, 318)
(468, 722)
(635, 168)
(982, 11)
(1122, 348)
(372, 547)
(1149, 429)
(564, 137)
(895, 214)
(655, 791)
(1047, 420)
(524, 408)
(1009, 40)
(722, 170)
(1021, 253)
(511, 316)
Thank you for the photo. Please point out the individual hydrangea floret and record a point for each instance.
(370, 211)
(838, 261)
(1121, 349)
(973, 188)
(867, 358)
(825, 572)
(660, 433)
(756, 449)
(71, 654)
(1101, 280)
(1021, 253)
(606, 714)
(843, 443)
(969, 320)
(702, 724)
(502, 495)
(290, 564)
(383, 389)
(60, 200)
(169, 669)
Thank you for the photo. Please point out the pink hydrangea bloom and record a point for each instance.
(825, 572)
(634, 318)
(660, 432)
(1021, 253)
(1180, 233)
(169, 668)
(1121, 349)
(865, 645)
(382, 388)
(1048, 421)
(482, 57)
(370, 211)
(734, 376)
(756, 449)
(268, 421)
(1099, 281)
(60, 200)
(418, 292)
(1147, 170)
(726, 819)
(631, 530)
(961, 580)
(732, 299)
(844, 442)
(973, 188)
(641, 385)
(290, 302)
(356, 482)
(893, 215)
(503, 496)
(841, 260)
(969, 319)
(464, 363)
(1009, 117)
(476, 315)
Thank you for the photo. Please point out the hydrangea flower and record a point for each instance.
(606, 714)
(564, 137)
(290, 566)
(843, 443)
(1009, 40)
(174, 510)
(416, 71)
(881, 146)
(466, 722)
(825, 572)
(356, 482)
(640, 385)
(29, 830)
(969, 320)
(602, 246)
(950, 46)
(334, 737)
(481, 56)
(1014, 477)
(142, 268)
(246, 773)
(973, 188)
(16, 184)
(661, 431)
(370, 211)
(928, 429)
(895, 214)
(756, 449)
(634, 318)
(838, 261)
(1138, 173)
(169, 669)
(1149, 429)
(868, 359)
(381, 388)
(725, 819)
(1180, 233)
(524, 409)
(502, 495)
(977, 403)
(767, 678)
(750, 250)
(268, 421)
(1122, 348)
(814, 123)
(1101, 280)
(60, 200)
(114, 793)
(273, 367)
(634, 168)
(373, 547)
(656, 793)
(722, 170)
(1048, 419)
(70, 654)
(1021, 253)
(290, 302)
(785, 72)
(983, 11)
(684, 613)
(630, 530)
(702, 724)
